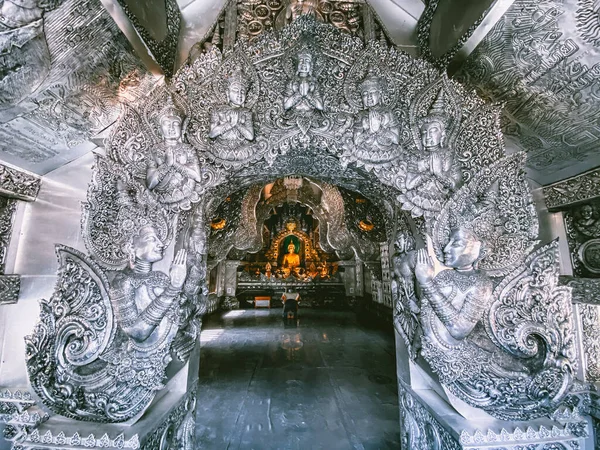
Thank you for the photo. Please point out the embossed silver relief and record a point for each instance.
(513, 370)
(469, 321)
(406, 304)
(583, 234)
(173, 172)
(302, 92)
(376, 132)
(101, 355)
(18, 184)
(419, 430)
(233, 122)
(588, 21)
(573, 190)
(22, 40)
(435, 173)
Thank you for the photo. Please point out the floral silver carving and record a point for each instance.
(586, 304)
(164, 51)
(10, 286)
(582, 226)
(419, 430)
(584, 290)
(178, 430)
(8, 208)
(18, 184)
(573, 190)
(35, 439)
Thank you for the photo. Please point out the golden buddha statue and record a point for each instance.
(291, 259)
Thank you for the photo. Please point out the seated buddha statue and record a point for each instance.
(291, 260)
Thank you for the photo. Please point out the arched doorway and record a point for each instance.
(315, 103)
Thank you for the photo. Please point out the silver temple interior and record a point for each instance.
(293, 224)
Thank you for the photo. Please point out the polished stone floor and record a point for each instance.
(326, 382)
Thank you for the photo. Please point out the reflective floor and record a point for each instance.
(325, 382)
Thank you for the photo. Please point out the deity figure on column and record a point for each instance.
(434, 175)
(232, 123)
(173, 171)
(480, 334)
(114, 334)
(302, 93)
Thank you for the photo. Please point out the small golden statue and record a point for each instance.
(268, 268)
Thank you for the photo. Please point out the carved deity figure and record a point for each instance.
(453, 301)
(120, 333)
(174, 171)
(22, 40)
(232, 123)
(375, 127)
(406, 305)
(146, 303)
(430, 179)
(302, 93)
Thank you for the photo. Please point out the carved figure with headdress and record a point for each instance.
(375, 128)
(104, 352)
(173, 172)
(435, 174)
(468, 320)
(586, 221)
(302, 93)
(406, 304)
(233, 122)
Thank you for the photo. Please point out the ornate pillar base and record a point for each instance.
(428, 422)
(169, 422)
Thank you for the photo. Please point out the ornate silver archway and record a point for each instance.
(481, 311)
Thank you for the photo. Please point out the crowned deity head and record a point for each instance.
(146, 246)
(305, 63)
(171, 120)
(237, 88)
(464, 249)
(433, 126)
(370, 90)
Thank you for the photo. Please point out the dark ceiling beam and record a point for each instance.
(152, 27)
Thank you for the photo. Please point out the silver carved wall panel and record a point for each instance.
(541, 60)
(582, 224)
(309, 101)
(574, 190)
(79, 69)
